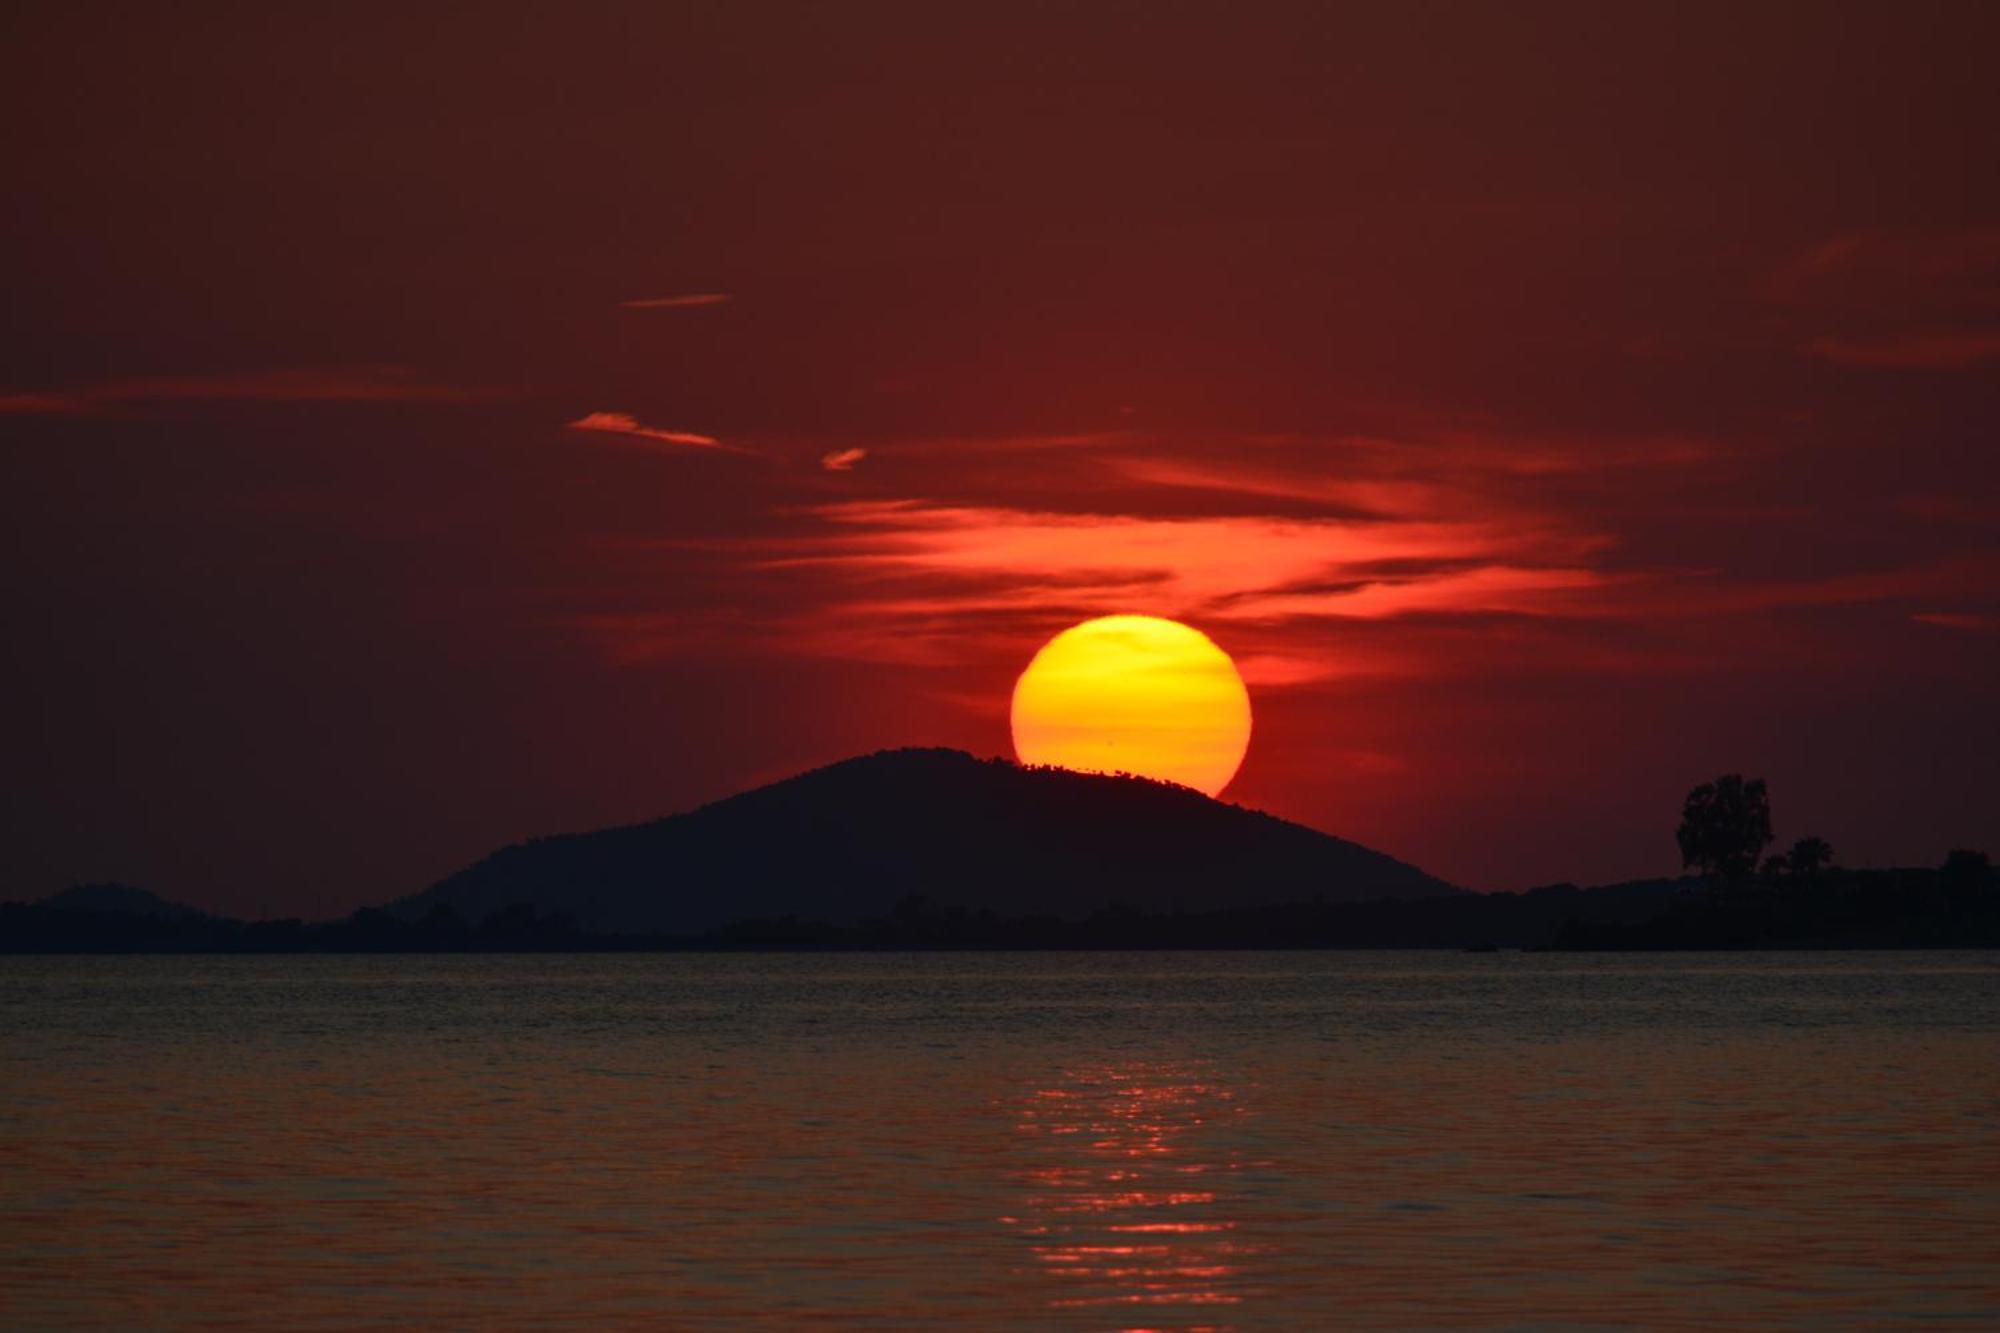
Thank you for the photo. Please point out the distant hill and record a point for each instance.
(853, 840)
(118, 898)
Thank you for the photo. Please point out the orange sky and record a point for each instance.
(419, 431)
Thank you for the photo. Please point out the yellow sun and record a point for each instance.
(1134, 694)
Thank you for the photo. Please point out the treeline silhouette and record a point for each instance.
(53, 927)
(1460, 921)
(1955, 906)
(1797, 899)
(1457, 921)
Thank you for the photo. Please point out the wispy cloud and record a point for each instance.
(842, 460)
(358, 384)
(1883, 267)
(623, 423)
(40, 404)
(1909, 299)
(689, 301)
(1969, 621)
(348, 384)
(1260, 536)
(1923, 351)
(1438, 473)
(1358, 496)
(1495, 589)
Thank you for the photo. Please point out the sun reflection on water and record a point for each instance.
(1126, 1191)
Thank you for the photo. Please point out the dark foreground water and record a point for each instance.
(1085, 1140)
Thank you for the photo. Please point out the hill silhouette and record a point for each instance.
(122, 899)
(854, 840)
(933, 849)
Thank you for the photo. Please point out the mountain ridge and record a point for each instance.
(852, 839)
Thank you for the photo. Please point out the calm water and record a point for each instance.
(1070, 1141)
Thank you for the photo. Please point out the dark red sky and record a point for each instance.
(1551, 406)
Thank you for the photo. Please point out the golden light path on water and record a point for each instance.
(1121, 1206)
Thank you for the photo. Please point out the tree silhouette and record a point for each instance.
(1809, 856)
(1725, 826)
(1965, 861)
(1967, 871)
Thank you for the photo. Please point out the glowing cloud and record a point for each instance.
(842, 460)
(1202, 564)
(624, 423)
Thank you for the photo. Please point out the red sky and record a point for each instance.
(419, 430)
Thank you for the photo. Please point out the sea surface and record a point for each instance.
(996, 1141)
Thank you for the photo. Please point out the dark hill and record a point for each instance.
(852, 840)
(118, 898)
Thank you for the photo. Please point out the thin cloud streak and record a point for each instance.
(842, 460)
(690, 301)
(1883, 267)
(1359, 497)
(1486, 590)
(1441, 473)
(625, 424)
(1967, 621)
(1929, 351)
(349, 384)
(41, 405)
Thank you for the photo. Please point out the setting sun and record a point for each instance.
(1134, 694)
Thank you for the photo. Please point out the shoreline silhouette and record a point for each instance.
(938, 850)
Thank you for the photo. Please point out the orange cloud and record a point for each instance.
(918, 582)
(1312, 560)
(690, 301)
(914, 582)
(623, 423)
(842, 460)
(1200, 561)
